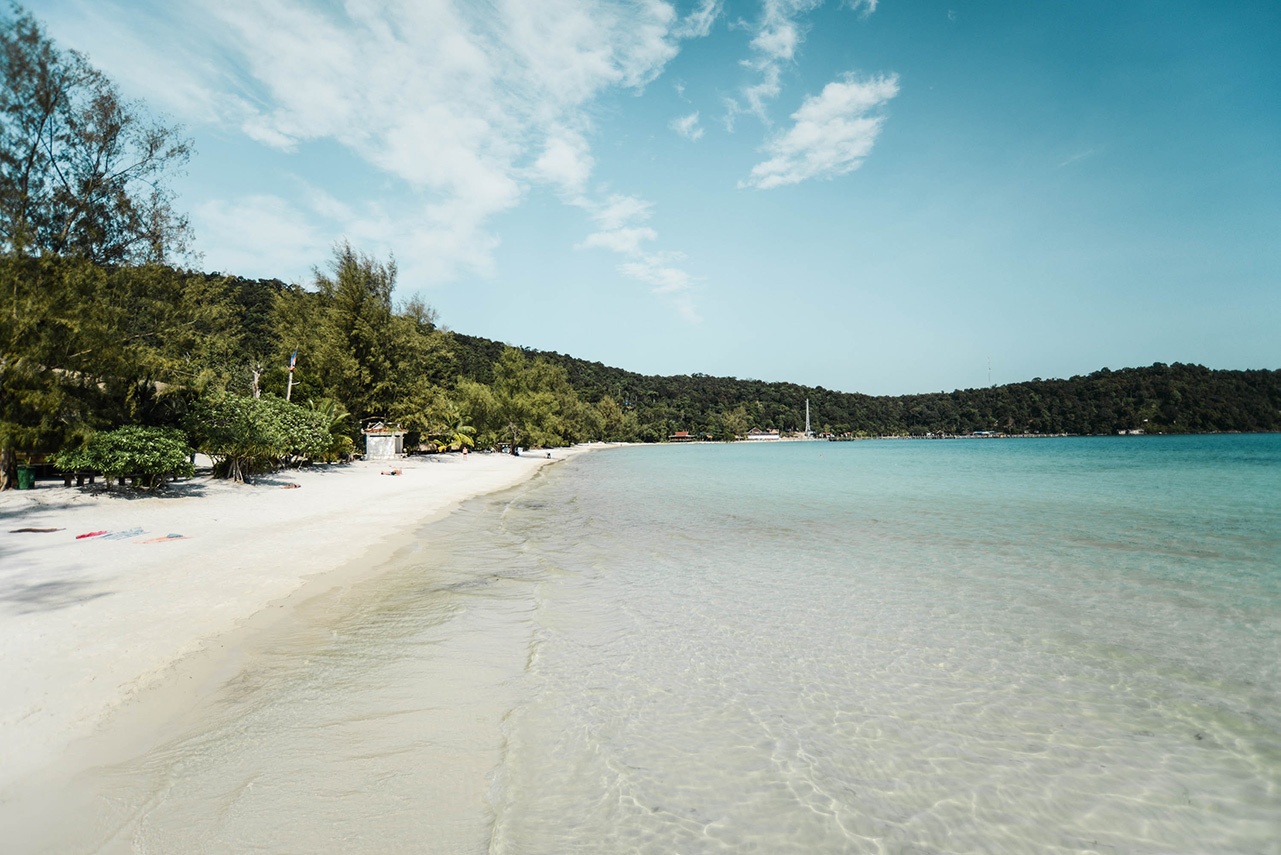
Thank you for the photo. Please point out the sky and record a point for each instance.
(878, 196)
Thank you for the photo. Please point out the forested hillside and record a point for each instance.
(1161, 398)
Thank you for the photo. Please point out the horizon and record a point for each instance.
(866, 196)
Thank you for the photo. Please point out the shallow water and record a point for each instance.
(1068, 645)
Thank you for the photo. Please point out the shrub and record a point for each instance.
(248, 435)
(147, 453)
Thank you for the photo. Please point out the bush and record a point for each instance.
(249, 435)
(148, 453)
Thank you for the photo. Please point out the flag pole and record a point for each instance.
(289, 390)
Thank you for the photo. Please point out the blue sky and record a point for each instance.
(879, 196)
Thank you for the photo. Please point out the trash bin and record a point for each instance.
(26, 478)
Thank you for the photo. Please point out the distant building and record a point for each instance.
(759, 435)
(682, 436)
(384, 442)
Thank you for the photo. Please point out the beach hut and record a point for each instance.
(383, 441)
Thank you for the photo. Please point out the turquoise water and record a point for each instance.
(979, 646)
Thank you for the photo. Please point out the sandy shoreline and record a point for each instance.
(85, 624)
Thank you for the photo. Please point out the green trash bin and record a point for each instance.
(26, 478)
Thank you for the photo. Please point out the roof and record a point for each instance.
(380, 429)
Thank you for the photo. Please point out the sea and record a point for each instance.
(1059, 645)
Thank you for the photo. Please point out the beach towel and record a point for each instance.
(88, 534)
(121, 535)
(34, 530)
(164, 539)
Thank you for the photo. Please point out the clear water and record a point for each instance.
(1068, 645)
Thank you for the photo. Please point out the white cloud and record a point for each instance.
(622, 230)
(868, 6)
(459, 107)
(463, 105)
(1080, 155)
(619, 211)
(687, 126)
(779, 33)
(624, 241)
(698, 23)
(777, 36)
(258, 236)
(833, 132)
(566, 163)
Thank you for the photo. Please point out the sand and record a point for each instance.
(86, 624)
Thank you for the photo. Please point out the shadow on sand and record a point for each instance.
(48, 596)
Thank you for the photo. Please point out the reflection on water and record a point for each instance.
(1055, 646)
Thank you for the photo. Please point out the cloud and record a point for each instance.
(446, 114)
(464, 106)
(1080, 155)
(622, 221)
(258, 236)
(698, 23)
(833, 132)
(669, 281)
(778, 35)
(687, 126)
(565, 162)
(625, 241)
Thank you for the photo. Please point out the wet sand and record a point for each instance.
(86, 624)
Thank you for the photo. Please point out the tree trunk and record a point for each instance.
(8, 468)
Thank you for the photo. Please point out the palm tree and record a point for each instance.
(338, 417)
(450, 430)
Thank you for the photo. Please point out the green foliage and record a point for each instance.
(1157, 399)
(339, 420)
(82, 173)
(529, 403)
(449, 429)
(146, 453)
(733, 424)
(251, 435)
(354, 347)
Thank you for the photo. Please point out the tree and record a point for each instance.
(339, 421)
(359, 323)
(82, 184)
(248, 435)
(733, 424)
(452, 432)
(82, 172)
(530, 403)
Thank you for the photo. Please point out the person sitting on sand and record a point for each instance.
(391, 472)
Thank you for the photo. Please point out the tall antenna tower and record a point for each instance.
(808, 432)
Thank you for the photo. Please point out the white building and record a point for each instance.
(383, 442)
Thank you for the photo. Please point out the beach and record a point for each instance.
(88, 623)
(1057, 646)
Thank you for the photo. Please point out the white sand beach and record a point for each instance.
(85, 624)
